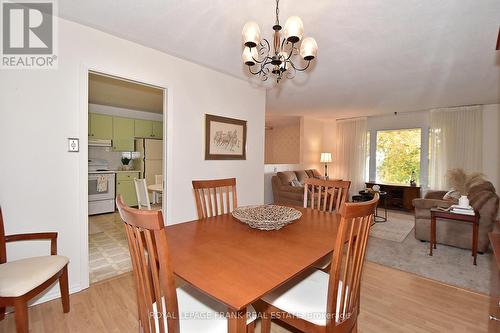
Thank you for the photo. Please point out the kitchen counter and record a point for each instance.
(120, 171)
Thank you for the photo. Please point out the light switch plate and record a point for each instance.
(73, 145)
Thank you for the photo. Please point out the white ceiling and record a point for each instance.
(375, 56)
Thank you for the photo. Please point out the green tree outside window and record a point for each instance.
(398, 155)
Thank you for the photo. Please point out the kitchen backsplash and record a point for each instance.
(105, 153)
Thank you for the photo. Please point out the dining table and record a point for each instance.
(237, 265)
(157, 190)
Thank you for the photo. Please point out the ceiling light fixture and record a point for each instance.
(278, 60)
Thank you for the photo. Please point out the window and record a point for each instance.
(398, 156)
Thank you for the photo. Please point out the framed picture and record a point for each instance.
(225, 138)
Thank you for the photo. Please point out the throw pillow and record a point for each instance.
(295, 183)
(452, 195)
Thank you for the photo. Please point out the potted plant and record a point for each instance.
(125, 163)
(460, 182)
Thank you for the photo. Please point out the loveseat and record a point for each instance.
(482, 197)
(287, 194)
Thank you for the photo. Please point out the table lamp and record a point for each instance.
(326, 158)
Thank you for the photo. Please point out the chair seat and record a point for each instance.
(305, 298)
(20, 276)
(199, 313)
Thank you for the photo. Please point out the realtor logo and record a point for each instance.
(28, 35)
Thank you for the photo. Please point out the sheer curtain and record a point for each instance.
(456, 142)
(351, 152)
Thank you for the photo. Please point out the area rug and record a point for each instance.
(449, 264)
(395, 229)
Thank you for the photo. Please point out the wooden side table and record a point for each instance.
(473, 219)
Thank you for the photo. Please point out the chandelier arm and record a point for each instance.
(263, 47)
(301, 69)
(254, 73)
(292, 48)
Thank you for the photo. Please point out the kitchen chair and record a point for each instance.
(161, 306)
(21, 280)
(326, 196)
(157, 195)
(322, 302)
(141, 190)
(206, 193)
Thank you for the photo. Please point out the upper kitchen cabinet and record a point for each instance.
(148, 129)
(143, 128)
(158, 129)
(123, 134)
(100, 126)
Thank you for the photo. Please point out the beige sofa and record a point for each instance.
(286, 194)
(482, 197)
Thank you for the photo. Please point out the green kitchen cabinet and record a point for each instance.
(123, 134)
(127, 190)
(143, 128)
(125, 186)
(100, 126)
(157, 130)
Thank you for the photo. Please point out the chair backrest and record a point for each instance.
(347, 264)
(215, 197)
(152, 268)
(159, 179)
(141, 190)
(325, 195)
(3, 248)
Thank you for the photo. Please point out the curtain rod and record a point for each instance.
(405, 112)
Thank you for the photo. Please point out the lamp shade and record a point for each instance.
(326, 158)
(249, 56)
(294, 29)
(308, 48)
(251, 34)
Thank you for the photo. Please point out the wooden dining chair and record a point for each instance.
(319, 302)
(141, 191)
(163, 307)
(325, 195)
(215, 197)
(21, 280)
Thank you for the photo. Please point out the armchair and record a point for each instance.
(25, 278)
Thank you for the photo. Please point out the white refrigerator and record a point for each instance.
(150, 162)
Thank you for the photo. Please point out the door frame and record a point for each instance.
(128, 75)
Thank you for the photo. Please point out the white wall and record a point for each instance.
(40, 109)
(491, 143)
(311, 143)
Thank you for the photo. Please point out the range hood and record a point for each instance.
(99, 142)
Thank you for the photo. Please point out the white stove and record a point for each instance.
(101, 187)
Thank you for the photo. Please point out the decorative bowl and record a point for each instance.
(266, 217)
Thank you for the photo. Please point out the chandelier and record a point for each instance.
(278, 61)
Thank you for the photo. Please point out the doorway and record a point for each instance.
(126, 122)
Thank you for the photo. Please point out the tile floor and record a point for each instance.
(108, 247)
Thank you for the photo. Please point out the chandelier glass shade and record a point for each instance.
(276, 58)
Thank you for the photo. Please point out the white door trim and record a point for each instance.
(83, 156)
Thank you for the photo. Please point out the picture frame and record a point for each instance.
(225, 138)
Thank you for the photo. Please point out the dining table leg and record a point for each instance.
(237, 321)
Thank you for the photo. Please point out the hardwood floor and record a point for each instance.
(391, 301)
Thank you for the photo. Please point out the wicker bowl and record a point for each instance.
(266, 217)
